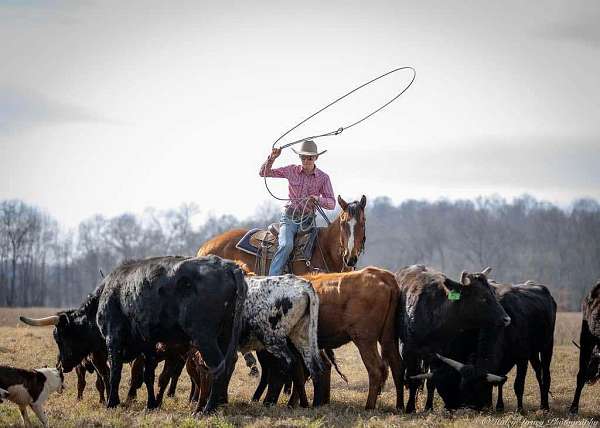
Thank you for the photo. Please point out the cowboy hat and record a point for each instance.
(308, 148)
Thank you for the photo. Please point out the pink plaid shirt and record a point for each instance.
(301, 185)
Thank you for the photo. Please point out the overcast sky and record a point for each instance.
(108, 107)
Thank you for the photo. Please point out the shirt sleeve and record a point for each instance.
(326, 198)
(267, 171)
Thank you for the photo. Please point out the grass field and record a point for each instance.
(34, 347)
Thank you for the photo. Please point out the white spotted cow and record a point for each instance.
(279, 309)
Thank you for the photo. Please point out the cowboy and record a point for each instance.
(307, 187)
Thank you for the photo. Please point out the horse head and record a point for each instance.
(352, 230)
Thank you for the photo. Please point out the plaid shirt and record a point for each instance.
(301, 185)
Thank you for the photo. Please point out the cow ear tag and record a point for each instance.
(454, 295)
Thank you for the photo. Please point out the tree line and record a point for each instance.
(41, 264)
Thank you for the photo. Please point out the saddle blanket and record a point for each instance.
(257, 240)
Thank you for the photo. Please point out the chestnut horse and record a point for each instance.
(336, 249)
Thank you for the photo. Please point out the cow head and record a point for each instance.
(460, 384)
(74, 333)
(352, 233)
(477, 303)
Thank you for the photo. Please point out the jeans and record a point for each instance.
(287, 231)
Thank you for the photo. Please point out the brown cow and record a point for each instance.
(359, 306)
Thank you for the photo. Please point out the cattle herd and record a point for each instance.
(459, 337)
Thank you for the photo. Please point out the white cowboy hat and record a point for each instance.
(308, 148)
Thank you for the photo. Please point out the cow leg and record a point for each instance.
(165, 376)
(585, 352)
(546, 377)
(100, 387)
(190, 366)
(215, 360)
(116, 366)
(137, 377)
(411, 369)
(322, 387)
(375, 369)
(266, 366)
(536, 365)
(520, 383)
(298, 381)
(430, 394)
(99, 360)
(276, 382)
(500, 401)
(390, 353)
(80, 371)
(204, 389)
(163, 381)
(149, 367)
(177, 368)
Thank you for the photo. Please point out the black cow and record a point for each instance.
(528, 338)
(195, 301)
(433, 310)
(589, 340)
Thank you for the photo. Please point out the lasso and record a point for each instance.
(305, 201)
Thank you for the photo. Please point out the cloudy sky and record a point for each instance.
(108, 107)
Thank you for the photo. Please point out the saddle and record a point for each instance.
(263, 243)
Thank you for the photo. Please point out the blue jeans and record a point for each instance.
(287, 231)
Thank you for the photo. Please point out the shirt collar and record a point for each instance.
(316, 172)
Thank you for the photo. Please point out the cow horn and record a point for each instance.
(422, 376)
(464, 279)
(51, 320)
(576, 345)
(492, 378)
(452, 363)
(486, 271)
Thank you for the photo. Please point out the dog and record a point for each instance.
(30, 388)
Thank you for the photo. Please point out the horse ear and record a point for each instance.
(363, 202)
(342, 203)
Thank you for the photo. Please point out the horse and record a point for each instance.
(337, 246)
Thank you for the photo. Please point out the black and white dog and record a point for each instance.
(30, 388)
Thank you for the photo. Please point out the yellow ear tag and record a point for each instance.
(454, 295)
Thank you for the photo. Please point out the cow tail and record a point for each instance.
(317, 365)
(236, 329)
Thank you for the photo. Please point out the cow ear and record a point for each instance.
(486, 271)
(363, 202)
(464, 279)
(452, 285)
(342, 203)
(63, 320)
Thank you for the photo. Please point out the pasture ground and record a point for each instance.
(34, 347)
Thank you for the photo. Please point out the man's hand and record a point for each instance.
(275, 153)
(313, 201)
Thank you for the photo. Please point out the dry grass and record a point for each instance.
(34, 347)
